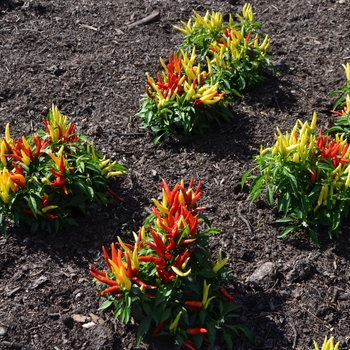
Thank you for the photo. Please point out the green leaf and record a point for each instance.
(211, 334)
(144, 327)
(106, 304)
(285, 220)
(228, 340)
(269, 195)
(287, 230)
(244, 177)
(33, 205)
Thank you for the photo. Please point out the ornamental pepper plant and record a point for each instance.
(182, 100)
(342, 122)
(237, 52)
(45, 176)
(166, 279)
(307, 176)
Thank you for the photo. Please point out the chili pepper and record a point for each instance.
(180, 259)
(179, 272)
(160, 247)
(150, 259)
(173, 326)
(106, 256)
(99, 272)
(196, 210)
(114, 195)
(197, 304)
(119, 272)
(220, 263)
(49, 207)
(248, 36)
(14, 156)
(51, 216)
(194, 331)
(164, 275)
(114, 253)
(190, 345)
(129, 268)
(159, 328)
(186, 241)
(104, 279)
(142, 284)
(112, 289)
(334, 150)
(313, 175)
(224, 292)
(18, 179)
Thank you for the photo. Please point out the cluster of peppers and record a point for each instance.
(303, 146)
(235, 51)
(164, 256)
(182, 81)
(36, 171)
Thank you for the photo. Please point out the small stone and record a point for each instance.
(264, 274)
(80, 318)
(3, 331)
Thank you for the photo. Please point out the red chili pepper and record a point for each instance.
(114, 194)
(160, 246)
(334, 150)
(17, 181)
(106, 256)
(186, 241)
(142, 284)
(14, 156)
(129, 268)
(159, 328)
(194, 303)
(9, 148)
(114, 253)
(113, 289)
(150, 259)
(59, 133)
(196, 210)
(194, 331)
(51, 216)
(224, 292)
(313, 175)
(171, 244)
(99, 272)
(248, 36)
(190, 345)
(104, 279)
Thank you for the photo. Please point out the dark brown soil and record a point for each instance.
(83, 56)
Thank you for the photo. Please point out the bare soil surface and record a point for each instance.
(87, 58)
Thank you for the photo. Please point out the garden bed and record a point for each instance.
(90, 60)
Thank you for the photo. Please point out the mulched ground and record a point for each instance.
(85, 57)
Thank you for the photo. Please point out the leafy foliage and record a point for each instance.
(309, 175)
(182, 99)
(46, 176)
(166, 280)
(342, 123)
(186, 98)
(236, 51)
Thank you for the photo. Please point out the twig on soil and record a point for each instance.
(154, 16)
(318, 319)
(295, 336)
(244, 219)
(89, 27)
